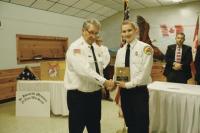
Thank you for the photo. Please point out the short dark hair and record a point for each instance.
(180, 33)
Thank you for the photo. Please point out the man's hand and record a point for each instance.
(121, 84)
(109, 84)
(177, 66)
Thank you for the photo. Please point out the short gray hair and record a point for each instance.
(94, 22)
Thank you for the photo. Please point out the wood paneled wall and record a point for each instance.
(8, 81)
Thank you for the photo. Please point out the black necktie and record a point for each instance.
(95, 60)
(127, 57)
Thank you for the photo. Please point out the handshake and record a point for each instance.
(111, 85)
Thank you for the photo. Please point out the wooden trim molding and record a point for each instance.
(8, 81)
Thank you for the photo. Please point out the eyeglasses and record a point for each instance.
(93, 33)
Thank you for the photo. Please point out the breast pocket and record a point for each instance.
(136, 64)
(91, 61)
(137, 58)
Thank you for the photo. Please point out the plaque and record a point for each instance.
(52, 70)
(122, 74)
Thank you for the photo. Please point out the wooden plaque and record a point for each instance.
(122, 74)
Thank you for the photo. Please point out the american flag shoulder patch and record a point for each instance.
(77, 51)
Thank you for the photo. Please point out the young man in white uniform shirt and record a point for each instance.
(84, 80)
(134, 93)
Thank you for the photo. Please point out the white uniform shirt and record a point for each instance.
(105, 55)
(81, 73)
(141, 60)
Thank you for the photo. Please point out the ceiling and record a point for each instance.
(99, 9)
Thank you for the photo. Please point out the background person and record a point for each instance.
(178, 58)
(106, 55)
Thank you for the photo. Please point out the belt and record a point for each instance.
(76, 90)
(138, 86)
(141, 86)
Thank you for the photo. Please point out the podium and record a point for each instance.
(33, 97)
(32, 100)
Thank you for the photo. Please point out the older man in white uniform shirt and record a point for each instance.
(84, 80)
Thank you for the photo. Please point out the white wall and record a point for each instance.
(184, 14)
(17, 19)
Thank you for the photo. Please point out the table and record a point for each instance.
(58, 101)
(174, 108)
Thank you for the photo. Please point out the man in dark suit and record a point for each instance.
(197, 65)
(178, 58)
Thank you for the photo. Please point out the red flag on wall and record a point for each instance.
(164, 30)
(179, 29)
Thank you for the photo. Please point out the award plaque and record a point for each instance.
(122, 74)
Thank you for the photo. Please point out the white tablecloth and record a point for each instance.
(174, 108)
(58, 101)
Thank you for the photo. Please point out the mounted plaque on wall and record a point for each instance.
(32, 48)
